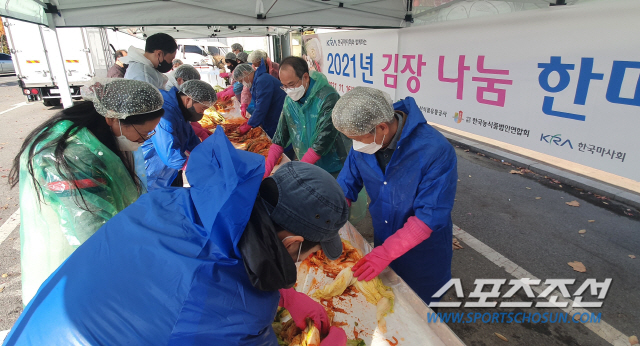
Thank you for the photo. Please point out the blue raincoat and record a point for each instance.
(164, 153)
(165, 271)
(420, 180)
(268, 99)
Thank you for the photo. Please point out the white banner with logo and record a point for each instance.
(563, 81)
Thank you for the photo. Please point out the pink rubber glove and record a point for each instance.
(275, 151)
(310, 157)
(224, 75)
(244, 128)
(225, 94)
(243, 110)
(349, 202)
(336, 337)
(301, 307)
(406, 238)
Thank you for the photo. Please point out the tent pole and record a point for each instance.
(55, 52)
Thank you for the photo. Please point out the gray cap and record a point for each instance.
(243, 56)
(186, 72)
(200, 91)
(230, 56)
(237, 46)
(360, 110)
(120, 98)
(257, 56)
(242, 71)
(309, 203)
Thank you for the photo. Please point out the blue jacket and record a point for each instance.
(268, 98)
(420, 180)
(165, 271)
(164, 153)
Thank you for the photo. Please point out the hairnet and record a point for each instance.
(230, 56)
(120, 98)
(242, 71)
(256, 56)
(360, 110)
(177, 61)
(243, 56)
(187, 72)
(199, 91)
(237, 46)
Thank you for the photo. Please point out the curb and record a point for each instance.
(579, 181)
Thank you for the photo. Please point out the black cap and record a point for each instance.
(306, 200)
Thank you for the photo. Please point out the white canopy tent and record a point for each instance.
(245, 18)
(228, 18)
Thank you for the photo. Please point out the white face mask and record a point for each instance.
(124, 143)
(299, 249)
(247, 85)
(296, 93)
(370, 148)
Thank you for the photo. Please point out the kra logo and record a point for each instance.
(458, 117)
(555, 139)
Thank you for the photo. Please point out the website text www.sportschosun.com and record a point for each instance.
(512, 317)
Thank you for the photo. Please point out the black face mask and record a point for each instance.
(193, 114)
(189, 114)
(164, 66)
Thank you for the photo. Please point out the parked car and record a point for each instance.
(6, 64)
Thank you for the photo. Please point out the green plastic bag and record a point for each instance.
(53, 227)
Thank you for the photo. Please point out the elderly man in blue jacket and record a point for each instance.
(206, 265)
(409, 170)
(266, 94)
(166, 153)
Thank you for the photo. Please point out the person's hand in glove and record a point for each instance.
(224, 75)
(225, 94)
(301, 307)
(243, 110)
(336, 337)
(275, 151)
(406, 238)
(310, 157)
(244, 128)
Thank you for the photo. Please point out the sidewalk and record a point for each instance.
(615, 187)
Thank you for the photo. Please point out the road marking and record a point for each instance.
(603, 329)
(17, 105)
(9, 225)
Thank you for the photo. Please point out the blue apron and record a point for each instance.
(420, 180)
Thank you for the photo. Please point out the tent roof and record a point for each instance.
(70, 13)
(233, 18)
(210, 31)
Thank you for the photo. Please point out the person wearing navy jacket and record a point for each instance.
(267, 95)
(409, 169)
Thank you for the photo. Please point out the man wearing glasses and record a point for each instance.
(305, 122)
(166, 153)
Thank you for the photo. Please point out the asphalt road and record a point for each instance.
(526, 219)
(501, 210)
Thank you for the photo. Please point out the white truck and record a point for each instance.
(85, 54)
(200, 52)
